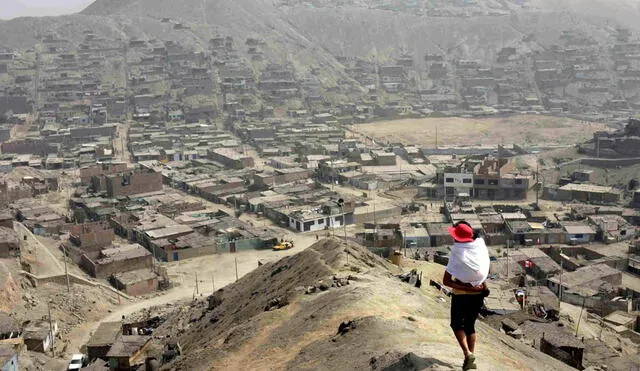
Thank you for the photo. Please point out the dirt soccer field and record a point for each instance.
(455, 131)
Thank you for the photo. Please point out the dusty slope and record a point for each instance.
(311, 30)
(387, 320)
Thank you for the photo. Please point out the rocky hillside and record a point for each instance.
(351, 28)
(315, 311)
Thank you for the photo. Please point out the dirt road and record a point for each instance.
(44, 261)
(120, 143)
(218, 270)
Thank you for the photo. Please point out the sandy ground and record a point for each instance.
(212, 271)
(120, 143)
(43, 259)
(455, 131)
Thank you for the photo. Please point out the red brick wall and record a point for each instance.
(142, 287)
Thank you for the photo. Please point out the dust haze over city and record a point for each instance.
(272, 184)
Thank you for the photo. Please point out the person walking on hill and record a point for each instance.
(466, 275)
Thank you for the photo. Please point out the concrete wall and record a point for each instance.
(94, 352)
(61, 279)
(570, 356)
(282, 178)
(10, 364)
(169, 255)
(38, 147)
(92, 131)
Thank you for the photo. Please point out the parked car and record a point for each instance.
(78, 361)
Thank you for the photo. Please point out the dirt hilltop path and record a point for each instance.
(315, 311)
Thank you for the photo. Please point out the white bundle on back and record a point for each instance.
(469, 262)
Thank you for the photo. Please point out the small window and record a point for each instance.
(307, 226)
(479, 181)
(321, 221)
(518, 181)
(579, 236)
(449, 180)
(467, 181)
(493, 182)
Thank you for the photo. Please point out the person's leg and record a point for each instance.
(458, 308)
(471, 342)
(462, 341)
(473, 309)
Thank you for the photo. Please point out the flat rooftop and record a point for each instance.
(133, 277)
(105, 334)
(592, 188)
(169, 231)
(127, 345)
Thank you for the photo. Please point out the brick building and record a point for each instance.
(9, 243)
(588, 193)
(281, 176)
(495, 179)
(127, 184)
(107, 168)
(91, 236)
(136, 283)
(115, 260)
(230, 158)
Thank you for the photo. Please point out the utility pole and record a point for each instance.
(236, 260)
(66, 272)
(344, 226)
(333, 222)
(524, 298)
(601, 319)
(53, 349)
(560, 287)
(537, 183)
(507, 261)
(375, 226)
(197, 289)
(584, 299)
(436, 136)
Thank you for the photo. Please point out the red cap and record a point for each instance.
(461, 233)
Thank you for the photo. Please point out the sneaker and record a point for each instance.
(469, 363)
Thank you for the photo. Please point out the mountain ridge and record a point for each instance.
(316, 311)
(348, 30)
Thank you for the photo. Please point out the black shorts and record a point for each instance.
(464, 312)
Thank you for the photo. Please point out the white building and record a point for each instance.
(457, 184)
(314, 220)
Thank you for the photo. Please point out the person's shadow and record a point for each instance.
(412, 362)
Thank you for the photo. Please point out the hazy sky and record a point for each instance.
(34, 8)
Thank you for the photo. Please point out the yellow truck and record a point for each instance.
(283, 245)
